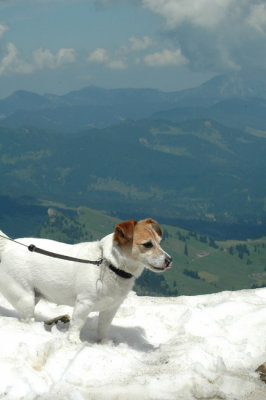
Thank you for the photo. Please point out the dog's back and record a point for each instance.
(3, 240)
(27, 276)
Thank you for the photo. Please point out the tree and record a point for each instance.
(165, 234)
(191, 274)
(231, 250)
(203, 239)
(212, 243)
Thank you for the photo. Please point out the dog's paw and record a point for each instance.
(105, 341)
(62, 318)
(74, 338)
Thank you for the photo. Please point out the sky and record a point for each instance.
(55, 46)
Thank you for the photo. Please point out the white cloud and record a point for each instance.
(98, 55)
(121, 56)
(66, 56)
(257, 17)
(117, 64)
(9, 58)
(165, 58)
(206, 13)
(11, 63)
(3, 28)
(22, 68)
(44, 58)
(215, 35)
(135, 45)
(139, 44)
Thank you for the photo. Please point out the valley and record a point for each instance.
(194, 160)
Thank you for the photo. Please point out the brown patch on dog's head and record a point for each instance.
(154, 224)
(140, 242)
(124, 233)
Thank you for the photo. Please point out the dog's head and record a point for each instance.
(141, 241)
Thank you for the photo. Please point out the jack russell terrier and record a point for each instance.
(25, 277)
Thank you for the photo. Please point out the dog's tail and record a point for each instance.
(3, 241)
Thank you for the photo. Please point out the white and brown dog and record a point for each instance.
(26, 277)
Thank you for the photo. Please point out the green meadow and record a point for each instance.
(200, 264)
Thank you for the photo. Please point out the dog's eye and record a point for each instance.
(148, 245)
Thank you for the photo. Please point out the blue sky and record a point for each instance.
(61, 45)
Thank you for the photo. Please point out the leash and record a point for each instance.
(35, 249)
(32, 248)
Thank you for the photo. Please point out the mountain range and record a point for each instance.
(98, 107)
(194, 157)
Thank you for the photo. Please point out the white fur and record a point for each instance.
(26, 276)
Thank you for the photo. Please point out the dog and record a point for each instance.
(26, 277)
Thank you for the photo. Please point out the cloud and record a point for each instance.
(45, 59)
(165, 58)
(9, 58)
(203, 13)
(134, 45)
(117, 64)
(65, 56)
(215, 35)
(42, 58)
(121, 56)
(257, 18)
(137, 44)
(3, 28)
(98, 56)
(11, 63)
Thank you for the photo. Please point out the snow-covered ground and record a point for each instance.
(202, 347)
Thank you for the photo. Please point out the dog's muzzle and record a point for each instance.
(167, 264)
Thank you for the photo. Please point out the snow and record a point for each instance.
(201, 347)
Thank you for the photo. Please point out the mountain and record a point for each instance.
(194, 170)
(194, 158)
(248, 113)
(238, 84)
(22, 100)
(78, 110)
(99, 107)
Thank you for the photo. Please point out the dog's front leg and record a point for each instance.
(104, 322)
(82, 308)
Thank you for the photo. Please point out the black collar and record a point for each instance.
(120, 272)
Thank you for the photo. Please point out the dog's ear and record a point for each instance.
(124, 232)
(154, 225)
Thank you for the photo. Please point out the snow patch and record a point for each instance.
(201, 347)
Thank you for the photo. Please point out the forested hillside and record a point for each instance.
(200, 264)
(178, 172)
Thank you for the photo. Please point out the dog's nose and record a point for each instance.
(168, 260)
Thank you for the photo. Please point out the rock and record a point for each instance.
(261, 370)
